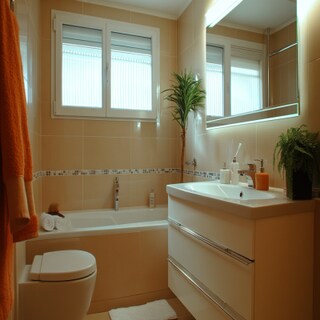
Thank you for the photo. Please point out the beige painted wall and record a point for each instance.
(104, 144)
(213, 147)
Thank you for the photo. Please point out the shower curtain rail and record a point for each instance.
(283, 49)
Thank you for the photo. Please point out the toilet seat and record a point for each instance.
(62, 265)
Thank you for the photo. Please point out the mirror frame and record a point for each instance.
(272, 113)
(265, 114)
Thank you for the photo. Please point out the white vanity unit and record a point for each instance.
(238, 253)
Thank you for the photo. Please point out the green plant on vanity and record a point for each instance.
(187, 95)
(298, 154)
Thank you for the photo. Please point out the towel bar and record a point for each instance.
(212, 244)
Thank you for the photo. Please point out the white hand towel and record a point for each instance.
(60, 223)
(46, 221)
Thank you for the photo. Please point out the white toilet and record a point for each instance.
(57, 286)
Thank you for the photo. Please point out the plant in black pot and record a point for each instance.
(298, 155)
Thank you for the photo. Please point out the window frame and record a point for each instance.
(58, 18)
(227, 43)
(136, 30)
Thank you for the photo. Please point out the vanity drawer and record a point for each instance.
(196, 302)
(230, 231)
(226, 277)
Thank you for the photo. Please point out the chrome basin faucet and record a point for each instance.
(249, 174)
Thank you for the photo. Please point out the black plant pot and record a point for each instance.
(300, 187)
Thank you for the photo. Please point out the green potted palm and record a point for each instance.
(187, 95)
(298, 154)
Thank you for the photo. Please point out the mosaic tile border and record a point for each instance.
(203, 174)
(94, 172)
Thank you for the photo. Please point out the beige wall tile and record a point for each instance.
(141, 185)
(160, 187)
(283, 37)
(311, 24)
(314, 94)
(168, 127)
(59, 127)
(134, 190)
(139, 188)
(145, 129)
(37, 192)
(106, 153)
(168, 66)
(107, 128)
(98, 192)
(186, 29)
(61, 153)
(35, 140)
(152, 153)
(155, 262)
(45, 70)
(66, 191)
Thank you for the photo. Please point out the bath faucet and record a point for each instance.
(193, 163)
(116, 186)
(249, 174)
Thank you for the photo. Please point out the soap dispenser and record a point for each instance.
(262, 178)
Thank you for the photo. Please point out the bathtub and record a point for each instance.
(131, 250)
(102, 221)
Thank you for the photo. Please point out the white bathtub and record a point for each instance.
(103, 221)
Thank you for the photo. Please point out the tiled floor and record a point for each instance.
(181, 311)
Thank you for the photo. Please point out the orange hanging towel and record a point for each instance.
(18, 220)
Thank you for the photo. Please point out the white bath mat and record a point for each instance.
(156, 310)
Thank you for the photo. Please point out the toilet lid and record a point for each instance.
(62, 265)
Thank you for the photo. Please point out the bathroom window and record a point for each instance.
(81, 67)
(234, 77)
(130, 74)
(104, 68)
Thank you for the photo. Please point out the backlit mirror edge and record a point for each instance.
(282, 111)
(267, 114)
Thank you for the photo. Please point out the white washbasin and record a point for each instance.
(238, 200)
(228, 191)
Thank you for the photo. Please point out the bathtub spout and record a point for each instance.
(116, 193)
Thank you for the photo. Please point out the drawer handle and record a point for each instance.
(210, 243)
(205, 291)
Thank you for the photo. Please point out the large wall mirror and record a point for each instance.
(252, 64)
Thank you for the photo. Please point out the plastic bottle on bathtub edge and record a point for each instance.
(152, 201)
